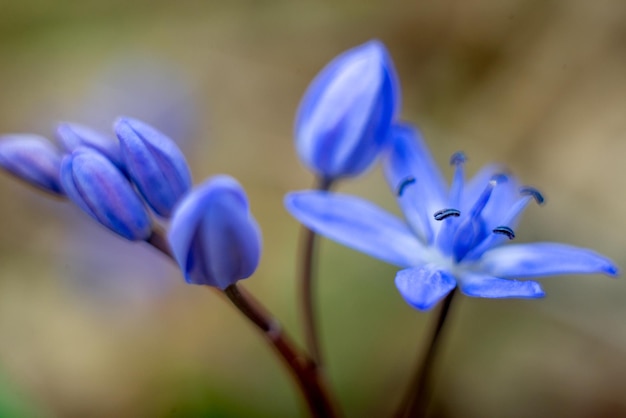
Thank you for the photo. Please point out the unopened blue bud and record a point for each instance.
(73, 135)
(32, 158)
(213, 235)
(100, 189)
(154, 163)
(346, 113)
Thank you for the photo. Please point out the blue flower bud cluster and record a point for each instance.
(125, 182)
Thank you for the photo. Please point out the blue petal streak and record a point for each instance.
(409, 157)
(542, 259)
(482, 286)
(357, 224)
(423, 287)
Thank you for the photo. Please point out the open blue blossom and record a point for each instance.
(32, 158)
(346, 113)
(452, 235)
(213, 235)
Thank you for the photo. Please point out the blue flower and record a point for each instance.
(452, 236)
(32, 158)
(155, 164)
(346, 113)
(101, 190)
(213, 236)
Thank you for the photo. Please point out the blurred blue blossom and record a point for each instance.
(346, 112)
(451, 236)
(32, 158)
(213, 235)
(72, 135)
(101, 190)
(155, 164)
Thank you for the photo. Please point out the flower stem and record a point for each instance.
(309, 380)
(307, 276)
(417, 398)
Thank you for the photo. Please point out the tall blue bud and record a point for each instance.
(346, 113)
(72, 135)
(154, 163)
(213, 235)
(32, 158)
(100, 189)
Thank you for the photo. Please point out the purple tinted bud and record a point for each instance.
(32, 158)
(101, 190)
(154, 163)
(73, 135)
(345, 115)
(213, 236)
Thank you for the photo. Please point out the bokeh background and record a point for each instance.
(93, 326)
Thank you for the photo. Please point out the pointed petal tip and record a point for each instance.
(423, 287)
(611, 270)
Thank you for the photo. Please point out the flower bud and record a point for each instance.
(345, 115)
(154, 163)
(73, 135)
(213, 235)
(101, 190)
(32, 158)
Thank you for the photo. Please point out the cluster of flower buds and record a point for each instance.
(120, 182)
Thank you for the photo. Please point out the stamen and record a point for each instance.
(442, 214)
(504, 230)
(531, 191)
(406, 182)
(458, 158)
(456, 189)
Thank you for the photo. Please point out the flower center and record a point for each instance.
(467, 236)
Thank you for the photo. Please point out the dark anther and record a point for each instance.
(504, 230)
(536, 194)
(442, 214)
(458, 158)
(406, 182)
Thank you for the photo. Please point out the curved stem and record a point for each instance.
(310, 381)
(416, 400)
(158, 240)
(307, 377)
(307, 276)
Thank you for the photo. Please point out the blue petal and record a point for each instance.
(155, 164)
(423, 287)
(232, 240)
(72, 135)
(543, 259)
(33, 159)
(357, 224)
(213, 237)
(345, 115)
(482, 286)
(409, 158)
(101, 190)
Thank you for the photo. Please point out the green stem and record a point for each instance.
(307, 276)
(416, 401)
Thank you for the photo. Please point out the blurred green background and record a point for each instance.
(93, 326)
